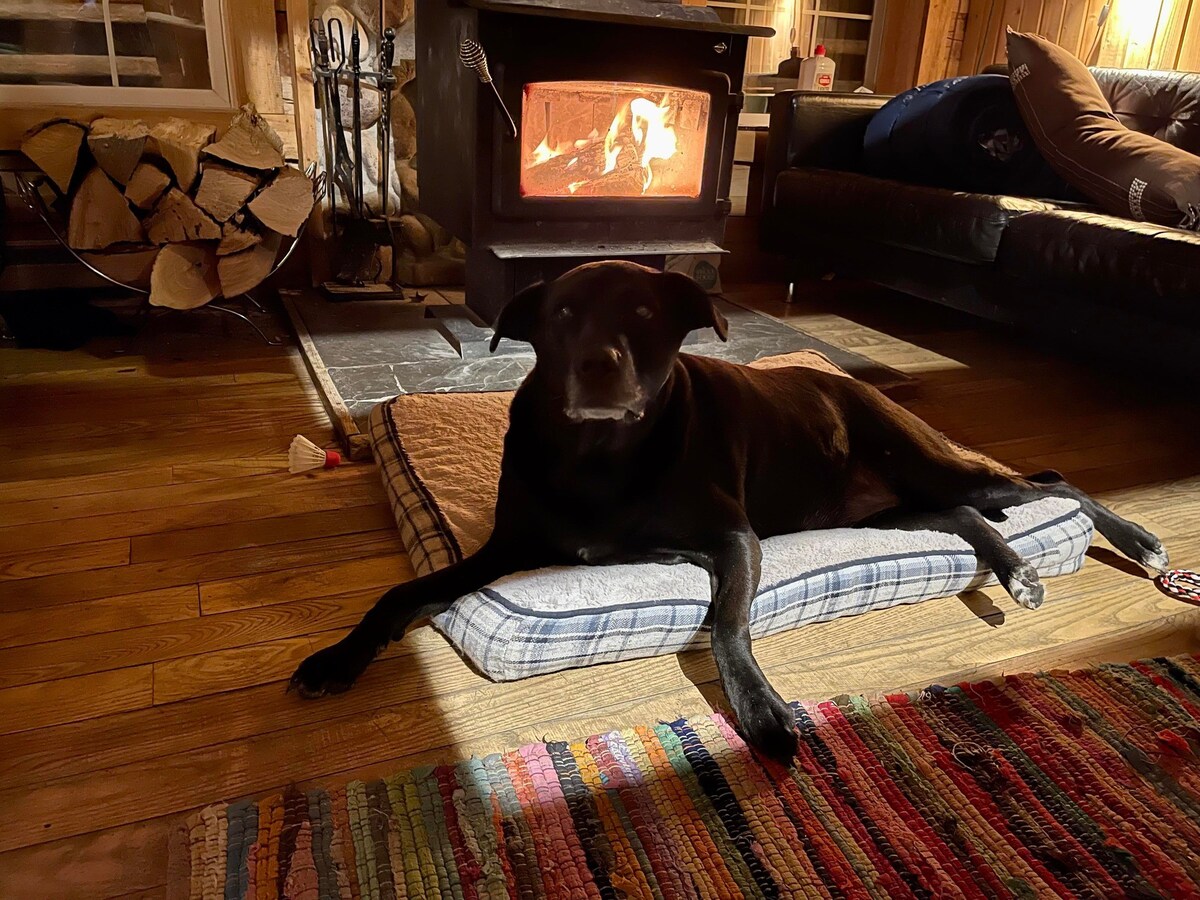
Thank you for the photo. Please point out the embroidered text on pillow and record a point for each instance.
(1137, 187)
(1019, 73)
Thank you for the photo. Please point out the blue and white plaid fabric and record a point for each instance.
(507, 640)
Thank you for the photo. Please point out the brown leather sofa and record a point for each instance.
(1128, 289)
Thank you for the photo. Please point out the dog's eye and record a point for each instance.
(645, 312)
(563, 312)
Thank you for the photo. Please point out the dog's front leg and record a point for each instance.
(335, 668)
(763, 718)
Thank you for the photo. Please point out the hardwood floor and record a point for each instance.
(161, 575)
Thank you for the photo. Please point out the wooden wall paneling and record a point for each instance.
(900, 34)
(936, 45)
(1188, 56)
(1088, 31)
(1070, 33)
(1172, 25)
(251, 24)
(977, 24)
(1114, 46)
(1010, 16)
(1050, 21)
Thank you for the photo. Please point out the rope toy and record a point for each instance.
(1181, 583)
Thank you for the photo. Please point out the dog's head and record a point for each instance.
(606, 334)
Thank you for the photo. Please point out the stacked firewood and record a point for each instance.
(205, 217)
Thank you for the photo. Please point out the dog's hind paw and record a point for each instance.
(330, 671)
(1024, 586)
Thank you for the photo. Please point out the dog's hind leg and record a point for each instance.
(1130, 538)
(928, 472)
(335, 668)
(1016, 575)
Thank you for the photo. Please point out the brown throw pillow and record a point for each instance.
(1128, 173)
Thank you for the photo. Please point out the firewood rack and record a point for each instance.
(28, 189)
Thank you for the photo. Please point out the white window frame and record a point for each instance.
(218, 96)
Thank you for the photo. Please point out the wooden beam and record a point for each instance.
(70, 65)
(56, 11)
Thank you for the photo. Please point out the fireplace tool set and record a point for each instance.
(337, 63)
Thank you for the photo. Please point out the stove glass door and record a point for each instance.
(612, 139)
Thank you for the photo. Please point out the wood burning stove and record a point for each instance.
(626, 114)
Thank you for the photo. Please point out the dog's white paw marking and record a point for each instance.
(1156, 558)
(1026, 588)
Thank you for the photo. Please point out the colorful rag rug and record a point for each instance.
(1081, 784)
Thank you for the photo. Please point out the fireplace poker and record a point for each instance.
(356, 102)
(387, 78)
(472, 56)
(319, 42)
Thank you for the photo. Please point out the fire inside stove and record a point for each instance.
(612, 139)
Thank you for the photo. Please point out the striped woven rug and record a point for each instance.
(1081, 784)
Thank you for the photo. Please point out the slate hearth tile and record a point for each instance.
(377, 350)
(372, 332)
(382, 382)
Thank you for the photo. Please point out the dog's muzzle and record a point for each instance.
(602, 386)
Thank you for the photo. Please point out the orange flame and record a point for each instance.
(652, 133)
(542, 152)
(640, 126)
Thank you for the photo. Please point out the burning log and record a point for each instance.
(581, 172)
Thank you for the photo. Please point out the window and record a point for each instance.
(114, 52)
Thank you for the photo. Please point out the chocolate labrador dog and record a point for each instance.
(620, 448)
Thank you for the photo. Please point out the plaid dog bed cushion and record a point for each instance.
(439, 455)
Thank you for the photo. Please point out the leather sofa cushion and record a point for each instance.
(1137, 266)
(1165, 105)
(951, 224)
(1126, 172)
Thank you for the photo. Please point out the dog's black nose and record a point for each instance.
(603, 361)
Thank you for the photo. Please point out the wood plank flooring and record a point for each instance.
(161, 575)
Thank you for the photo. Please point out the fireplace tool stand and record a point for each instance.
(359, 235)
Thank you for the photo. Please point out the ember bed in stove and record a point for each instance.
(626, 113)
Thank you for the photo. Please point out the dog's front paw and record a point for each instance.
(1139, 545)
(769, 725)
(1152, 554)
(330, 671)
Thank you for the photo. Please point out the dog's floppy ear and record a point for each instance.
(519, 316)
(692, 305)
